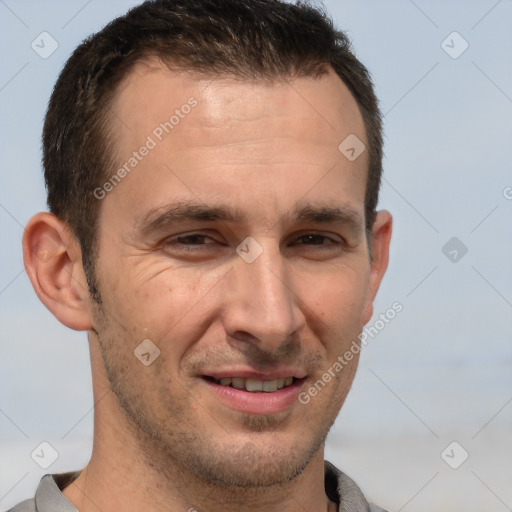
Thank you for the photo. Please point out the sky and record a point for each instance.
(438, 373)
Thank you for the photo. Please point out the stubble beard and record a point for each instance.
(172, 450)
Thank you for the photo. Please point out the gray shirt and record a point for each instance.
(49, 498)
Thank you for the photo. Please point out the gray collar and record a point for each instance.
(49, 497)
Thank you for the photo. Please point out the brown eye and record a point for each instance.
(192, 239)
(315, 239)
(190, 243)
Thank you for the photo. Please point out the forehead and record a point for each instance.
(218, 136)
(151, 93)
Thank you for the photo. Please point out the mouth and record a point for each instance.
(254, 394)
(254, 385)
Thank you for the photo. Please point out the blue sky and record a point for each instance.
(442, 366)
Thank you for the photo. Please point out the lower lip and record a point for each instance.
(259, 402)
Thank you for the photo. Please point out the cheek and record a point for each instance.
(336, 317)
(339, 298)
(145, 288)
(171, 307)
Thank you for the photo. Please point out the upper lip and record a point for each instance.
(249, 373)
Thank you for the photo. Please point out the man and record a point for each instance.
(213, 169)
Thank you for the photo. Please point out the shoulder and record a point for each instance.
(348, 494)
(375, 508)
(25, 506)
(48, 496)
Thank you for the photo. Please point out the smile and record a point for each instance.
(255, 385)
(252, 395)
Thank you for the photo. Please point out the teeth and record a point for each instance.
(238, 383)
(253, 385)
(269, 386)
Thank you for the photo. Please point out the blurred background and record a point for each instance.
(428, 423)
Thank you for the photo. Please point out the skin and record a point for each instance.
(162, 438)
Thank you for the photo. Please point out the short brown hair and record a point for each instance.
(253, 39)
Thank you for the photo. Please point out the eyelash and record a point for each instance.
(199, 247)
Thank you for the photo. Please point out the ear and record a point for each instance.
(380, 240)
(53, 261)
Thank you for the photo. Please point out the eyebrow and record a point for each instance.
(180, 211)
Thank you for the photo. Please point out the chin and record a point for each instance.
(249, 468)
(254, 459)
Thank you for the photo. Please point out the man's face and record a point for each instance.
(266, 153)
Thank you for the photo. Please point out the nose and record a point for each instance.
(261, 306)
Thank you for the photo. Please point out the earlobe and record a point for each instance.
(53, 262)
(381, 239)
